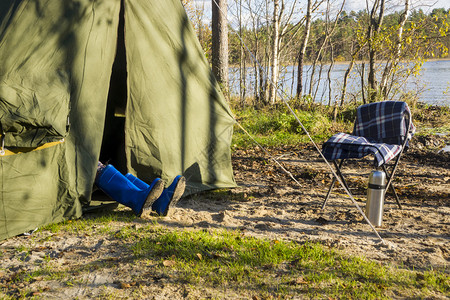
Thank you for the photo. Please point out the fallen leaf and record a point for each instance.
(169, 263)
(124, 285)
(301, 280)
(199, 256)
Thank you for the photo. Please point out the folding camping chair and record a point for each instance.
(382, 129)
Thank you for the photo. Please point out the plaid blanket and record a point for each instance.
(380, 129)
(344, 145)
(383, 122)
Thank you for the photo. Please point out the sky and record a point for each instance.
(355, 5)
(358, 5)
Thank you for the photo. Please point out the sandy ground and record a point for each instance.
(267, 204)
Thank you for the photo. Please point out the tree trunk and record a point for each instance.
(256, 71)
(256, 58)
(345, 83)
(372, 32)
(242, 64)
(219, 47)
(301, 55)
(363, 69)
(398, 51)
(275, 53)
(329, 73)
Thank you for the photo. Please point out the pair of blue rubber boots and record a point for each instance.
(134, 193)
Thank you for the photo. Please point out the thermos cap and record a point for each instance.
(377, 178)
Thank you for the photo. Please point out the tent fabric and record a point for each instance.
(173, 70)
(56, 59)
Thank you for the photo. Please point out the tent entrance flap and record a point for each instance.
(113, 140)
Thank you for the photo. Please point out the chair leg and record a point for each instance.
(333, 182)
(391, 186)
(329, 192)
(396, 196)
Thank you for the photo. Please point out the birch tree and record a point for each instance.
(275, 48)
(391, 65)
(283, 27)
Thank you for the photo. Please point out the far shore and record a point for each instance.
(383, 61)
(344, 62)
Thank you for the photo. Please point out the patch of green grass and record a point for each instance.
(274, 126)
(434, 130)
(278, 126)
(69, 225)
(88, 221)
(434, 281)
(227, 258)
(22, 248)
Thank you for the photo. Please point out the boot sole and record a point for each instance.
(177, 194)
(154, 194)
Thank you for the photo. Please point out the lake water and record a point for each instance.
(433, 82)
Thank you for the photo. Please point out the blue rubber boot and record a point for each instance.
(143, 185)
(118, 187)
(170, 196)
(137, 182)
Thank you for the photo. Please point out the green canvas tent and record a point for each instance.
(118, 80)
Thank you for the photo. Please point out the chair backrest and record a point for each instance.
(384, 122)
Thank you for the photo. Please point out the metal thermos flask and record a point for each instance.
(375, 197)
